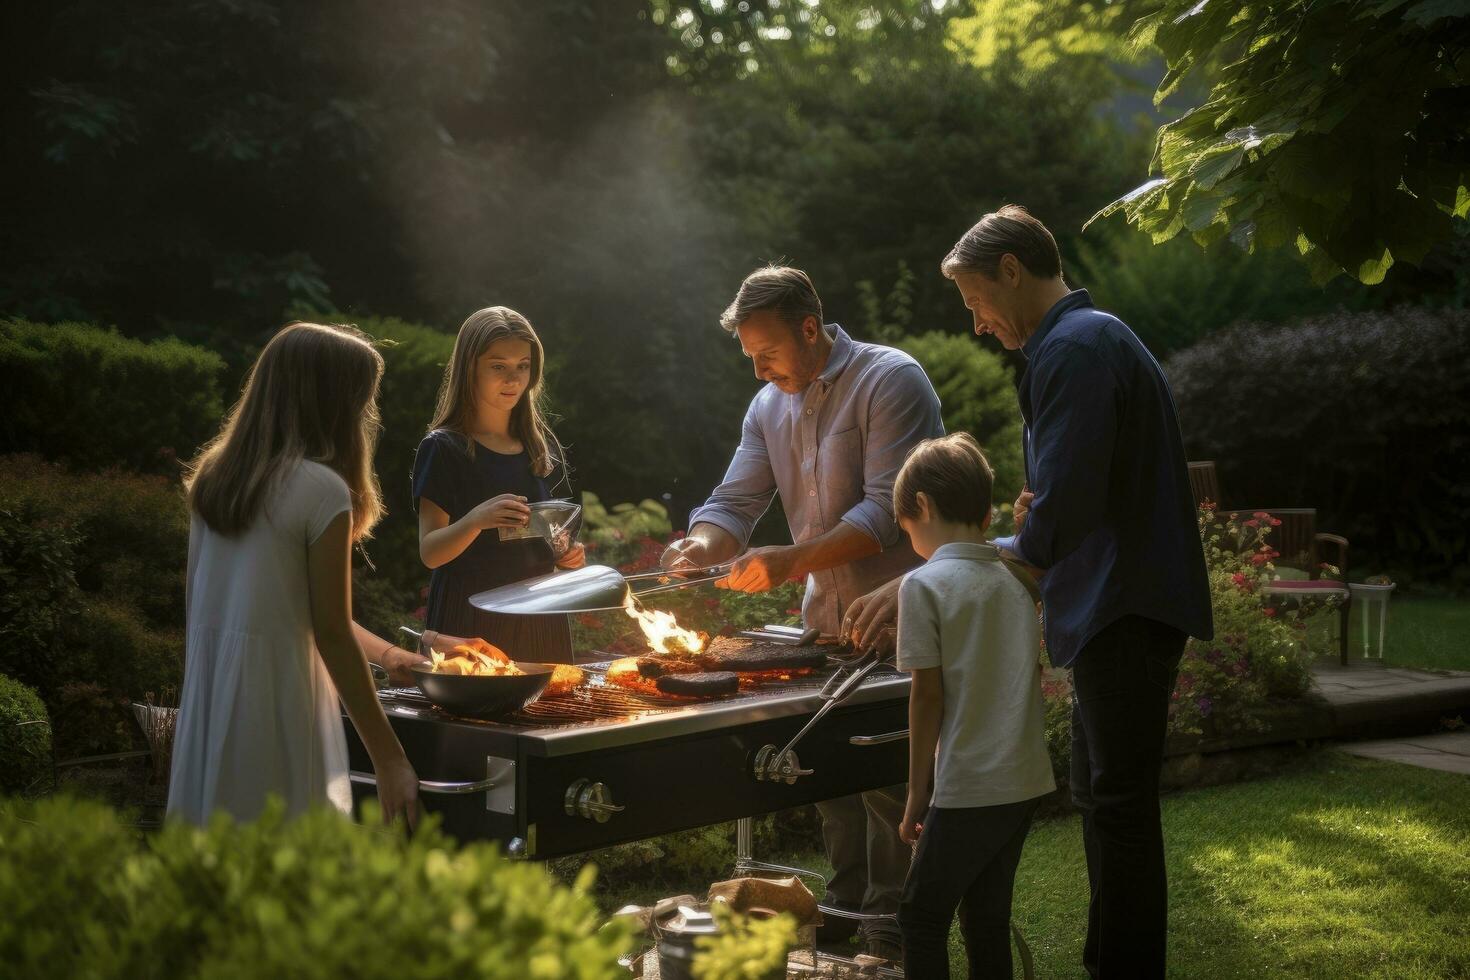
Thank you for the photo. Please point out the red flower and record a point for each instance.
(1275, 522)
(1258, 559)
(1268, 612)
(711, 603)
(1261, 515)
(794, 612)
(1252, 523)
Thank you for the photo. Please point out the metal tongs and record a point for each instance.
(781, 765)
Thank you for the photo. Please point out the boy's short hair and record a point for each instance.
(955, 474)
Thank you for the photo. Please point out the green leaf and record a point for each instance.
(1427, 12)
(1210, 171)
(1371, 272)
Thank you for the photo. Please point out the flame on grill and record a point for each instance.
(663, 632)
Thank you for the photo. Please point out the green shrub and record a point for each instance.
(1172, 295)
(1364, 416)
(312, 897)
(25, 739)
(131, 531)
(113, 635)
(745, 948)
(108, 643)
(414, 357)
(36, 587)
(977, 396)
(94, 398)
(88, 719)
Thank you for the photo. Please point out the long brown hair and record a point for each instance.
(311, 394)
(455, 411)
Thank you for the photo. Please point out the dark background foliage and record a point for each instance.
(208, 169)
(1365, 416)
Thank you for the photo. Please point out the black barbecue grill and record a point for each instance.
(604, 765)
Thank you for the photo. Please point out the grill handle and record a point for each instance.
(430, 785)
(833, 693)
(866, 740)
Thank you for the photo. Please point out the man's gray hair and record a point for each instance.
(785, 291)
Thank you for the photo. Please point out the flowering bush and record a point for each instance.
(1259, 651)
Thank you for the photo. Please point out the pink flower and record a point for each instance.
(1258, 559)
(1268, 612)
(1275, 522)
(1261, 515)
(1252, 523)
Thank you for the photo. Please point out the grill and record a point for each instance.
(603, 765)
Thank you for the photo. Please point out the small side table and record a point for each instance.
(1373, 600)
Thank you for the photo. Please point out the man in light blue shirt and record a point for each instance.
(828, 432)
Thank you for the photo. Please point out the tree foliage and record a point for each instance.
(1338, 127)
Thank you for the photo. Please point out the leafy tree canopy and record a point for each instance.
(1338, 127)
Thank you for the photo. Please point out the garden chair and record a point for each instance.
(1301, 546)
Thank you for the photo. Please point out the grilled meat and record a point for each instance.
(701, 685)
(740, 654)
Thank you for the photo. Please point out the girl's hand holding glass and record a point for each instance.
(506, 510)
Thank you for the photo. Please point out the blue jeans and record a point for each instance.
(1122, 680)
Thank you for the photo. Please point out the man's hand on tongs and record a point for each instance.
(762, 569)
(703, 546)
(872, 620)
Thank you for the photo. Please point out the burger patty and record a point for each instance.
(704, 685)
(743, 654)
(737, 653)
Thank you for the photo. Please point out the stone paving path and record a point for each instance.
(1372, 700)
(1449, 751)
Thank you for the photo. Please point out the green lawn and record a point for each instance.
(1423, 631)
(1340, 867)
(1337, 867)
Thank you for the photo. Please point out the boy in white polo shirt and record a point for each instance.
(968, 633)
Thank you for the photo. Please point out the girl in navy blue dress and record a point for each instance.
(489, 453)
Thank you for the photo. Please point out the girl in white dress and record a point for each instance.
(276, 502)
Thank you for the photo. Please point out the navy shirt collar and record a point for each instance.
(1075, 300)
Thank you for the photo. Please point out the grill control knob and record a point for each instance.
(584, 798)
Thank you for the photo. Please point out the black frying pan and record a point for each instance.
(484, 696)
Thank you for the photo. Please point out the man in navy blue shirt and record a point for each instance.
(1108, 526)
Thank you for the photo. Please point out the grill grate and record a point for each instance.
(599, 702)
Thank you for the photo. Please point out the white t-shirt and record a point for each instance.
(964, 613)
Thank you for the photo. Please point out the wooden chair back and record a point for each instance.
(1204, 481)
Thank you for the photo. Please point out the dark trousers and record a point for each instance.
(868, 858)
(966, 859)
(1122, 681)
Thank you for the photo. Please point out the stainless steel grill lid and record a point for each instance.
(592, 588)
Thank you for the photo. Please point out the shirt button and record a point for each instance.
(811, 493)
(809, 411)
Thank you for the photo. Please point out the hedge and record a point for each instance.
(25, 739)
(1364, 416)
(94, 398)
